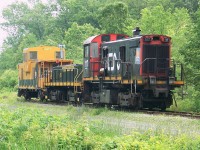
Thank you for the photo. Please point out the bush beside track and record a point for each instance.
(25, 125)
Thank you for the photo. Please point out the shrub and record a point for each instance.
(8, 79)
(33, 129)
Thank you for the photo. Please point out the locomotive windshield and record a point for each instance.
(94, 50)
(86, 50)
(105, 38)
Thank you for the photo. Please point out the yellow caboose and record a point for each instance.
(36, 67)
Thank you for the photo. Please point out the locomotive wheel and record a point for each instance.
(140, 102)
(163, 107)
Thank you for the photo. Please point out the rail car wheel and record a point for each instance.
(41, 95)
(27, 96)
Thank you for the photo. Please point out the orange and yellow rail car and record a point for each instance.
(36, 67)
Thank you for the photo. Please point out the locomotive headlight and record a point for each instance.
(101, 70)
(147, 39)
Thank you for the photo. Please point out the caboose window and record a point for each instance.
(105, 38)
(33, 55)
(86, 50)
(25, 57)
(58, 55)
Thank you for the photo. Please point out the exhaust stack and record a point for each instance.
(136, 31)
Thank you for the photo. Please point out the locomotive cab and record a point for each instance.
(92, 54)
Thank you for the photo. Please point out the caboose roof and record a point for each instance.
(39, 48)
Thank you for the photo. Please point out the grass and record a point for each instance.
(34, 125)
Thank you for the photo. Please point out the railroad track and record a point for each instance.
(172, 113)
(192, 115)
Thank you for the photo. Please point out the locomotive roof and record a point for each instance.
(125, 39)
(133, 38)
(89, 40)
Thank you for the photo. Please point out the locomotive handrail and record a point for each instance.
(75, 79)
(156, 67)
(153, 59)
(162, 67)
(172, 64)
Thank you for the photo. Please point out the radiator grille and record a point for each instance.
(155, 59)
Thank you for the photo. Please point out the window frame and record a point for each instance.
(105, 38)
(94, 50)
(31, 55)
(86, 51)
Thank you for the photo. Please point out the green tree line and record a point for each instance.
(70, 22)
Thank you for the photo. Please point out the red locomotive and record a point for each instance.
(134, 72)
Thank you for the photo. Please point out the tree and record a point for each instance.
(113, 17)
(192, 54)
(176, 24)
(74, 38)
(191, 5)
(8, 79)
(13, 15)
(155, 20)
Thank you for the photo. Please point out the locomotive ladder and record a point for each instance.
(76, 81)
(42, 79)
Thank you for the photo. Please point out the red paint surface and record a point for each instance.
(95, 62)
(152, 42)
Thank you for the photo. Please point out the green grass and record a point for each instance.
(34, 125)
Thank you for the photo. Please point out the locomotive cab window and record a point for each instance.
(86, 50)
(33, 55)
(120, 37)
(94, 50)
(105, 38)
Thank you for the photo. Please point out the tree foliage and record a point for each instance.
(176, 23)
(8, 79)
(112, 18)
(74, 38)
